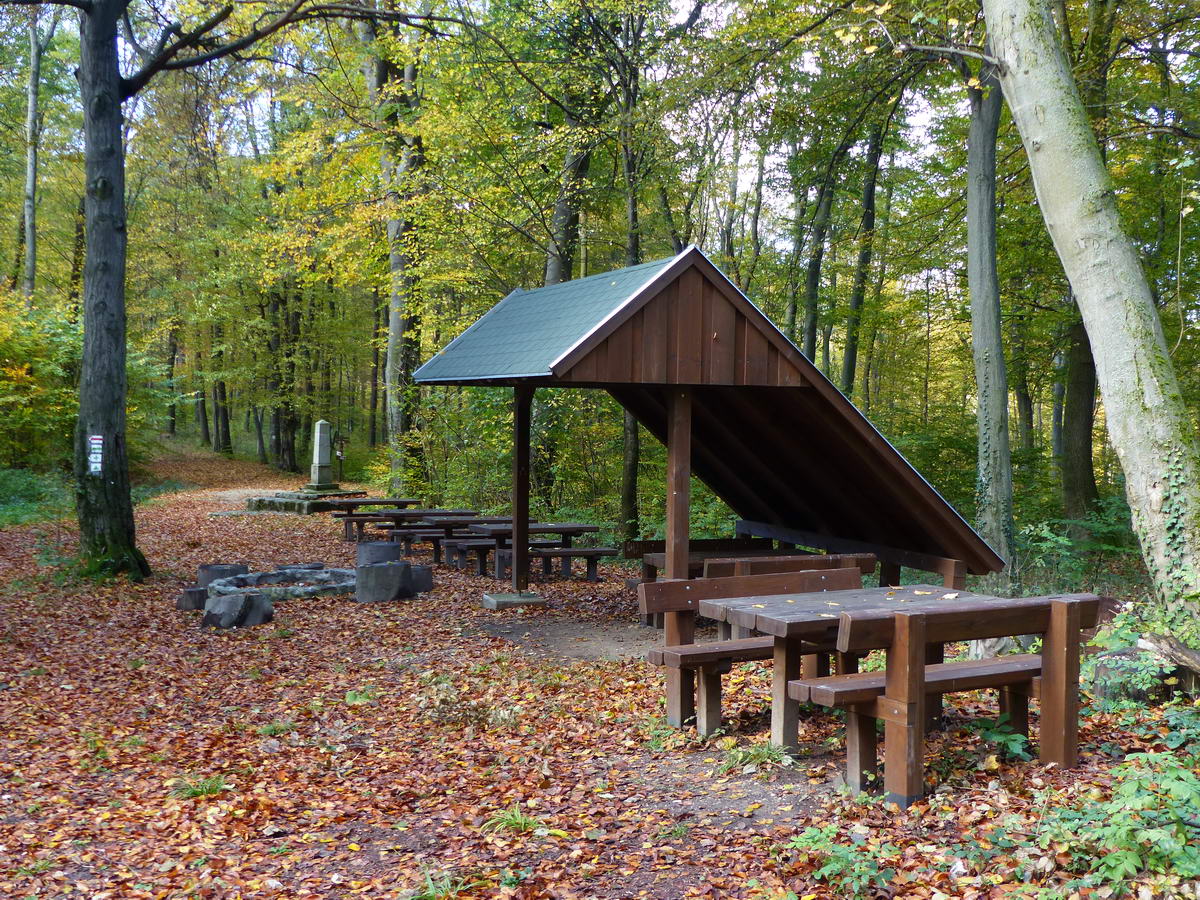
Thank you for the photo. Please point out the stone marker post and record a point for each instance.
(322, 470)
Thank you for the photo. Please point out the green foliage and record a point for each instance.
(1148, 825)
(512, 819)
(851, 869)
(753, 757)
(274, 729)
(999, 732)
(27, 496)
(204, 787)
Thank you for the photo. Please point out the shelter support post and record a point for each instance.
(679, 627)
(522, 406)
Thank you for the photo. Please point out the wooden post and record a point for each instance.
(1059, 731)
(889, 574)
(522, 405)
(904, 757)
(785, 712)
(679, 627)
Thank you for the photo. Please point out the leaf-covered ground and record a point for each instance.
(407, 750)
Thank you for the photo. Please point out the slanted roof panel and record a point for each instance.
(528, 330)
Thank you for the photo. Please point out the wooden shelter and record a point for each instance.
(737, 404)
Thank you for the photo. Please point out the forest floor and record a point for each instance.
(434, 749)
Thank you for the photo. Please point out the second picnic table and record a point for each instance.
(806, 625)
(501, 533)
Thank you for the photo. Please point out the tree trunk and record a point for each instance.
(33, 134)
(630, 459)
(993, 486)
(258, 432)
(172, 356)
(816, 253)
(1149, 424)
(866, 238)
(78, 247)
(372, 421)
(1078, 421)
(103, 503)
(1020, 383)
(564, 220)
(202, 415)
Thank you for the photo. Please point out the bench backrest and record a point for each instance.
(971, 620)
(638, 549)
(724, 567)
(685, 596)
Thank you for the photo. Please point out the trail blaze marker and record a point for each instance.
(95, 453)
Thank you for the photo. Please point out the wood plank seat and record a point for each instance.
(899, 695)
(940, 678)
(590, 555)
(459, 549)
(693, 656)
(711, 660)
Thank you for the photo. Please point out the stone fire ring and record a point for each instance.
(288, 583)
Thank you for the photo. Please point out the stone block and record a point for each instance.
(192, 598)
(238, 610)
(511, 601)
(422, 578)
(206, 575)
(378, 551)
(383, 581)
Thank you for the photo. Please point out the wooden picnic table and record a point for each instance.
(450, 524)
(501, 534)
(803, 624)
(350, 504)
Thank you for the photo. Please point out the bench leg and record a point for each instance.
(708, 701)
(437, 551)
(593, 569)
(680, 628)
(481, 562)
(649, 573)
(348, 530)
(785, 712)
(547, 566)
(862, 760)
(934, 654)
(741, 631)
(724, 631)
(1014, 703)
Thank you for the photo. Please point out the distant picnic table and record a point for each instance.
(501, 536)
(350, 504)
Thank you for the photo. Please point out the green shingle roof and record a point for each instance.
(523, 334)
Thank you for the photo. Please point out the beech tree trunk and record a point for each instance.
(564, 220)
(103, 503)
(866, 240)
(1076, 467)
(993, 485)
(1149, 424)
(38, 45)
(816, 254)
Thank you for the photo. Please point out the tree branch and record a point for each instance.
(84, 5)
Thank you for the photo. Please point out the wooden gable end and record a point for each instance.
(692, 331)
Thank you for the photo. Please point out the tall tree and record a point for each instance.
(1151, 429)
(39, 43)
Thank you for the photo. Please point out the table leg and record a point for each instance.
(437, 548)
(934, 654)
(565, 568)
(785, 712)
(500, 542)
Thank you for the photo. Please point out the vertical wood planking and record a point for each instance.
(756, 363)
(688, 324)
(655, 339)
(620, 354)
(637, 327)
(721, 339)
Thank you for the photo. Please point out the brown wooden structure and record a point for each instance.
(737, 404)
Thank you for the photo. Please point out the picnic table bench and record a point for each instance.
(679, 602)
(501, 536)
(898, 695)
(455, 527)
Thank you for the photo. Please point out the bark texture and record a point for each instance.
(1151, 431)
(103, 504)
(993, 486)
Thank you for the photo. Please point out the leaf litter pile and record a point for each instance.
(433, 749)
